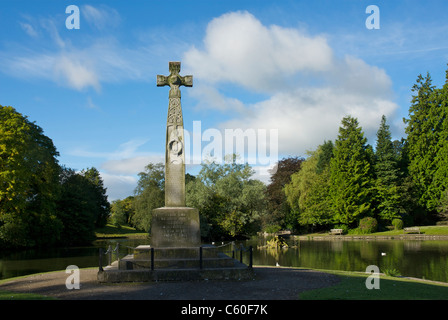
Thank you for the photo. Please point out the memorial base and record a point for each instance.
(175, 264)
(175, 227)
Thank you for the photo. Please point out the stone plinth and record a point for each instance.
(175, 227)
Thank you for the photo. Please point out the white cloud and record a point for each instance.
(309, 89)
(132, 165)
(75, 73)
(119, 169)
(239, 49)
(118, 186)
(96, 59)
(102, 17)
(29, 29)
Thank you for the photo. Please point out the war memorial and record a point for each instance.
(175, 252)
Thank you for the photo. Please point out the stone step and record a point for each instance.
(235, 273)
(130, 262)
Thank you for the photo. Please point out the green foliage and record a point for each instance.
(391, 272)
(99, 202)
(351, 174)
(149, 195)
(307, 193)
(277, 243)
(229, 202)
(277, 204)
(29, 174)
(368, 225)
(122, 211)
(398, 224)
(40, 202)
(82, 206)
(427, 130)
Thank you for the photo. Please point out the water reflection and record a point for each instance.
(414, 258)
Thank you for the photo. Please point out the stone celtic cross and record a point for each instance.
(174, 149)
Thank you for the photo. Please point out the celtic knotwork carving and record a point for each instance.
(175, 112)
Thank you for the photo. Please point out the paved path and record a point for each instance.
(270, 283)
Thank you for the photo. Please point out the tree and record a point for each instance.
(388, 176)
(100, 204)
(441, 173)
(278, 207)
(122, 211)
(75, 209)
(29, 174)
(149, 194)
(308, 191)
(82, 205)
(351, 174)
(229, 202)
(423, 128)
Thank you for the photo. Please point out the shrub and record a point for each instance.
(398, 224)
(277, 242)
(368, 225)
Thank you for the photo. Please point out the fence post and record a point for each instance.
(233, 249)
(241, 253)
(152, 259)
(118, 252)
(250, 256)
(200, 257)
(109, 256)
(101, 260)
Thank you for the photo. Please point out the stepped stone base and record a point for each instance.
(175, 264)
(144, 275)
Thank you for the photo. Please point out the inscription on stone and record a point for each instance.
(175, 227)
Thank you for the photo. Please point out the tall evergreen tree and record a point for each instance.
(351, 174)
(427, 141)
(387, 188)
(441, 173)
(100, 204)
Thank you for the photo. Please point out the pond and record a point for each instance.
(413, 258)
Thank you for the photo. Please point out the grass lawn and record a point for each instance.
(353, 287)
(111, 231)
(5, 295)
(426, 230)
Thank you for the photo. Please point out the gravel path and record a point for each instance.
(270, 283)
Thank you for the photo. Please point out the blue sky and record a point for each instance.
(294, 66)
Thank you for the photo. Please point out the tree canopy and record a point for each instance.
(42, 203)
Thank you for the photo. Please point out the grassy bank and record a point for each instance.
(111, 231)
(353, 287)
(424, 230)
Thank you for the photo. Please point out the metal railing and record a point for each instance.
(236, 252)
